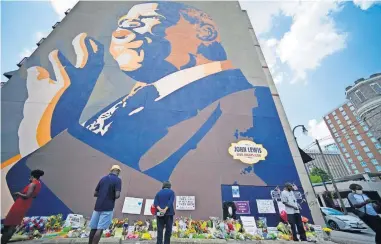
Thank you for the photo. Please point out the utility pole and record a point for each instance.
(332, 179)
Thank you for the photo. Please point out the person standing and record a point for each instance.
(293, 212)
(21, 205)
(163, 202)
(364, 209)
(106, 192)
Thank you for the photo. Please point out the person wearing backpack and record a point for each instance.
(363, 207)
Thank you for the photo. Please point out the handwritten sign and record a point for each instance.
(132, 205)
(249, 225)
(74, 221)
(185, 203)
(248, 152)
(243, 207)
(265, 206)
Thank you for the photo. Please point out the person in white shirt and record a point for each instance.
(293, 212)
(364, 209)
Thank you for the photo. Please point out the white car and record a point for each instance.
(337, 220)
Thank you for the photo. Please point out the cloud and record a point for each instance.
(26, 52)
(312, 36)
(365, 4)
(319, 130)
(60, 6)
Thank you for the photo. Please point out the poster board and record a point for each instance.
(235, 192)
(265, 206)
(132, 205)
(243, 207)
(147, 207)
(185, 202)
(248, 223)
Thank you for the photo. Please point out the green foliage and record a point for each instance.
(315, 179)
(319, 172)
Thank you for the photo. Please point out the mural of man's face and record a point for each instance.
(134, 33)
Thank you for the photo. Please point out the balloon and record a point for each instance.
(283, 216)
(153, 209)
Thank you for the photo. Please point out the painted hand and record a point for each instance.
(52, 105)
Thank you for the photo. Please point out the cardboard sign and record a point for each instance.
(74, 221)
(132, 205)
(265, 206)
(185, 203)
(243, 207)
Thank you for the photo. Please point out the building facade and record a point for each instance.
(334, 161)
(357, 144)
(365, 96)
(161, 89)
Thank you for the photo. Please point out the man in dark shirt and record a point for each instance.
(164, 203)
(106, 192)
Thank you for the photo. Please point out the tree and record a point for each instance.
(315, 179)
(319, 172)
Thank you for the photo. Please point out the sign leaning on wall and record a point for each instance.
(248, 152)
(185, 202)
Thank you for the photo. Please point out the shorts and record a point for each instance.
(101, 220)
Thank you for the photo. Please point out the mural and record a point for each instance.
(187, 105)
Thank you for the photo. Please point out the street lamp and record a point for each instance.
(305, 131)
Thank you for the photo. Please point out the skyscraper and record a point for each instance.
(359, 147)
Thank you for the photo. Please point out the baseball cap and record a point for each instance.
(115, 167)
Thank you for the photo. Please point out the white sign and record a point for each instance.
(235, 191)
(318, 230)
(266, 206)
(249, 225)
(132, 205)
(185, 203)
(281, 207)
(275, 195)
(147, 207)
(248, 152)
(74, 221)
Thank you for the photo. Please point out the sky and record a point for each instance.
(314, 49)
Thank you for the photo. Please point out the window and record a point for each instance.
(360, 96)
(370, 155)
(339, 139)
(336, 135)
(362, 143)
(349, 104)
(365, 128)
(362, 123)
(366, 149)
(352, 127)
(369, 134)
(343, 113)
(341, 126)
(367, 170)
(350, 160)
(376, 87)
(356, 152)
(352, 108)
(336, 118)
(363, 164)
(344, 149)
(359, 158)
(347, 155)
(349, 122)
(353, 166)
(341, 109)
(346, 117)
(331, 125)
(358, 118)
(378, 168)
(359, 138)
(334, 130)
(329, 121)
(377, 145)
(342, 145)
(373, 139)
(334, 113)
(374, 161)
(327, 117)
(339, 122)
(356, 132)
(350, 141)
(353, 146)
(343, 131)
(346, 137)
(357, 172)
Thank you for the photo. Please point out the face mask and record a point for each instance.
(359, 191)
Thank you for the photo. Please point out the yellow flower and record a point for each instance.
(327, 230)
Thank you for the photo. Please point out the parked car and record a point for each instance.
(337, 220)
